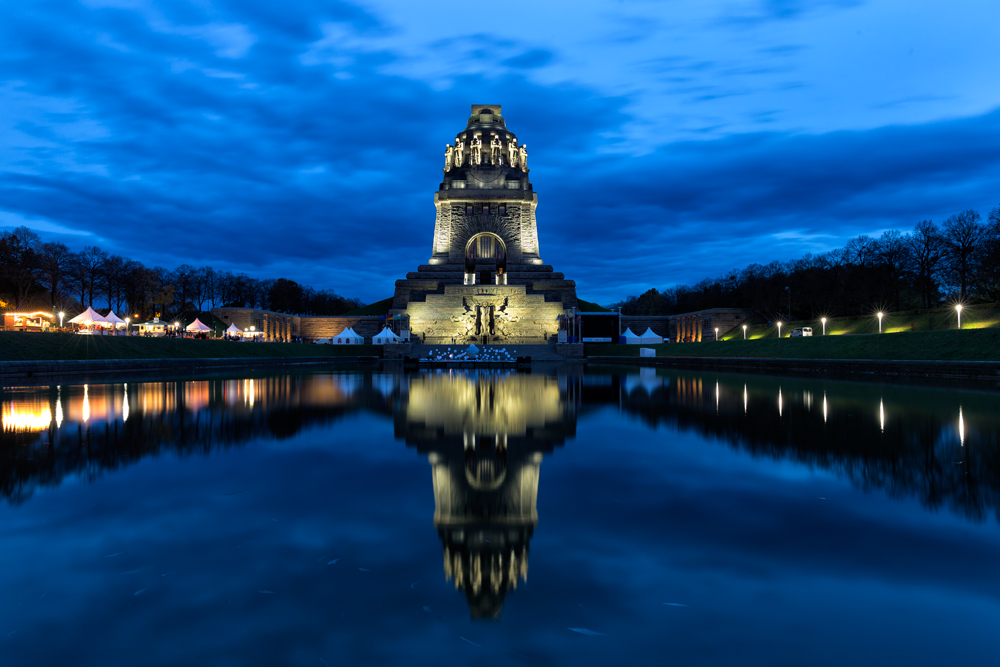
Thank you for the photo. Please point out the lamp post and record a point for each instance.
(779, 328)
(716, 333)
(959, 309)
(880, 321)
(823, 320)
(127, 320)
(60, 319)
(744, 332)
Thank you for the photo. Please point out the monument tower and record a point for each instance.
(485, 281)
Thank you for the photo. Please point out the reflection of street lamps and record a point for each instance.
(744, 332)
(823, 320)
(779, 328)
(880, 322)
(959, 309)
(60, 319)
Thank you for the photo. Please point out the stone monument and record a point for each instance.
(485, 281)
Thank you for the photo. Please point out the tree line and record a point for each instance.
(957, 261)
(34, 274)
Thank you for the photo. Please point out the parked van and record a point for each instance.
(801, 331)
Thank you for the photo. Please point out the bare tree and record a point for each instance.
(892, 252)
(53, 263)
(861, 250)
(963, 233)
(926, 253)
(19, 250)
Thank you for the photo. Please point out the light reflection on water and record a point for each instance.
(737, 501)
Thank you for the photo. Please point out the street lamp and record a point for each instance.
(779, 328)
(959, 309)
(880, 321)
(744, 332)
(823, 320)
(716, 333)
(60, 319)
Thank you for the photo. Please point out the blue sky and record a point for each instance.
(670, 141)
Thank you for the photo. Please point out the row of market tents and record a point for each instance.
(647, 338)
(350, 337)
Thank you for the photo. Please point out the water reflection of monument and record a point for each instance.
(484, 436)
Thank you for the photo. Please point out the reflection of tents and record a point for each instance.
(385, 336)
(348, 337)
(197, 326)
(89, 316)
(631, 338)
(650, 337)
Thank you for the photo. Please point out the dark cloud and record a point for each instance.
(283, 141)
(530, 59)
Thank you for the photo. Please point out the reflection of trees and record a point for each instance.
(919, 452)
(182, 418)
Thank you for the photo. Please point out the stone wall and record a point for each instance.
(688, 327)
(328, 327)
(282, 326)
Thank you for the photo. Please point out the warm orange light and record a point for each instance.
(20, 419)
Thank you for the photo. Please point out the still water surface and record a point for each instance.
(499, 518)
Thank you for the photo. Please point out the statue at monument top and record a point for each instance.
(512, 152)
(477, 150)
(448, 150)
(524, 157)
(459, 150)
(496, 152)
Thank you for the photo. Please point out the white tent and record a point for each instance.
(113, 319)
(649, 337)
(233, 330)
(197, 326)
(385, 336)
(631, 338)
(348, 337)
(89, 316)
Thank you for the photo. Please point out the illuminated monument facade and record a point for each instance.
(485, 281)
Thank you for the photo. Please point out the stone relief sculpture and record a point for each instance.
(448, 151)
(477, 151)
(459, 150)
(512, 152)
(524, 157)
(496, 151)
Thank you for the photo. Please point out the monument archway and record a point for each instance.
(486, 248)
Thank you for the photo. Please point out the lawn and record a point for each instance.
(950, 345)
(20, 346)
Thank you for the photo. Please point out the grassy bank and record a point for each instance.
(979, 316)
(19, 346)
(966, 345)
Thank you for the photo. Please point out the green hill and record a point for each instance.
(378, 308)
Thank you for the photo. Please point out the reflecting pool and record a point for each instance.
(575, 517)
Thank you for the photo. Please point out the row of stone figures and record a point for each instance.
(458, 155)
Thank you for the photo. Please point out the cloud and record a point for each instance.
(306, 141)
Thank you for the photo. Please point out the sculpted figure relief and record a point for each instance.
(477, 150)
(459, 150)
(448, 150)
(524, 157)
(512, 152)
(496, 151)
